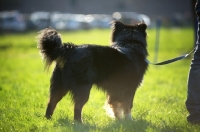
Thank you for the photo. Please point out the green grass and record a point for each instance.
(159, 104)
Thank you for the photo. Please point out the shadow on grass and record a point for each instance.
(115, 126)
(68, 125)
(137, 126)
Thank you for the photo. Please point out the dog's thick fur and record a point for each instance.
(117, 69)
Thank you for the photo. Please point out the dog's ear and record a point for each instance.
(117, 24)
(142, 26)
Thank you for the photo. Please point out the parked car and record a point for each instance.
(131, 17)
(12, 21)
(67, 21)
(59, 20)
(77, 21)
(99, 20)
(41, 20)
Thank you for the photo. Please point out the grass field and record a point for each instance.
(159, 104)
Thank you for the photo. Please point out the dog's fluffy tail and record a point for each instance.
(50, 45)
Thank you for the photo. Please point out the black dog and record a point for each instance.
(117, 69)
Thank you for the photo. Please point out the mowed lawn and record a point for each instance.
(159, 104)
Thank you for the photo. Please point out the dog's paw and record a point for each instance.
(128, 117)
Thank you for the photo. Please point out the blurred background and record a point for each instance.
(21, 15)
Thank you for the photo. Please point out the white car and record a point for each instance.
(12, 21)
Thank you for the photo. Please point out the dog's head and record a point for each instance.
(128, 33)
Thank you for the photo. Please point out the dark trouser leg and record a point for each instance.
(193, 97)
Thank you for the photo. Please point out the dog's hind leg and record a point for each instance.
(127, 105)
(80, 97)
(55, 96)
(113, 107)
(127, 111)
(56, 92)
(117, 109)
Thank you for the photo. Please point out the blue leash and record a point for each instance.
(172, 60)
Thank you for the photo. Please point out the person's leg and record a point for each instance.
(193, 97)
